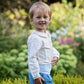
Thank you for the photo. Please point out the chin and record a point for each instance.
(42, 28)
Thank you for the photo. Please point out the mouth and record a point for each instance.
(42, 23)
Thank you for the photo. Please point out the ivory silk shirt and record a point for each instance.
(40, 53)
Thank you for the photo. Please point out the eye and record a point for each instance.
(38, 17)
(45, 16)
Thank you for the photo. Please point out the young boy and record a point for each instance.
(41, 54)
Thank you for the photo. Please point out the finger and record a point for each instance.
(55, 58)
(42, 79)
(40, 82)
(52, 64)
(54, 61)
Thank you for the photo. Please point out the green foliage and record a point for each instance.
(8, 42)
(67, 62)
(63, 15)
(80, 69)
(61, 79)
(5, 43)
(80, 49)
(14, 52)
(18, 17)
(14, 63)
(80, 3)
(13, 34)
(15, 28)
(10, 4)
(15, 81)
(57, 79)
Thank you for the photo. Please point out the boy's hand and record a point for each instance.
(38, 80)
(54, 60)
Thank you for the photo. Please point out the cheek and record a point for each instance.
(48, 21)
(35, 21)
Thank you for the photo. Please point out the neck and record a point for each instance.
(40, 30)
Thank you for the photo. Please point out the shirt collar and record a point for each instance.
(45, 35)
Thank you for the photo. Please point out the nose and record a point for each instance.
(42, 19)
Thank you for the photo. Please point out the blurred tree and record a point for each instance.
(53, 1)
(25, 4)
(10, 4)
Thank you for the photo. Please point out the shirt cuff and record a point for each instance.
(36, 75)
(57, 56)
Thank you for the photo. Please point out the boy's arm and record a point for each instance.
(55, 53)
(34, 44)
(55, 56)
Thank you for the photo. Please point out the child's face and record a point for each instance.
(40, 19)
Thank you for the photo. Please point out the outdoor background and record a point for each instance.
(66, 29)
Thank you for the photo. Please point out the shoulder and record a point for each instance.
(34, 38)
(48, 33)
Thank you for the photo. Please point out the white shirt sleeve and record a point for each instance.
(55, 53)
(34, 44)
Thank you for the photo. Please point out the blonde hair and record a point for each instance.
(39, 5)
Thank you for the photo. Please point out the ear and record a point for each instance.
(31, 20)
(49, 20)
